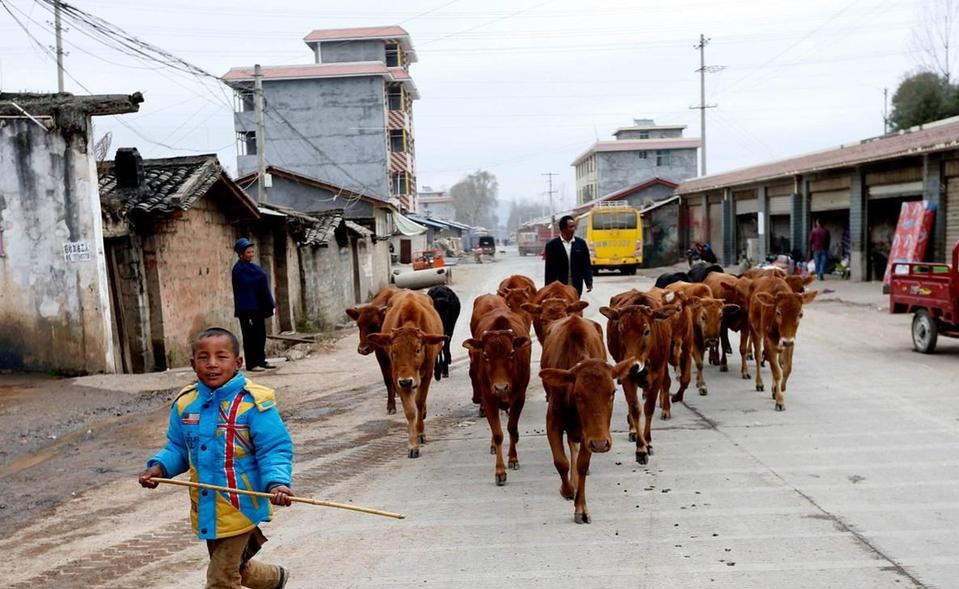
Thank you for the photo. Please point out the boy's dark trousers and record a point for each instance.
(253, 328)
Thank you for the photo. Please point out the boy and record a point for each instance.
(227, 431)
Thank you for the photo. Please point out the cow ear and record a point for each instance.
(383, 308)
(577, 306)
(609, 313)
(809, 296)
(532, 308)
(556, 377)
(430, 339)
(765, 298)
(730, 308)
(380, 340)
(473, 344)
(621, 369)
(521, 342)
(809, 280)
(353, 313)
(664, 312)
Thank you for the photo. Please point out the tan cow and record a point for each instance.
(554, 291)
(518, 290)
(412, 336)
(369, 318)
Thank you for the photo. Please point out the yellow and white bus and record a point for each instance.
(614, 233)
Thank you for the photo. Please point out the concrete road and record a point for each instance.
(855, 484)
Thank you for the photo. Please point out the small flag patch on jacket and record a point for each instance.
(190, 419)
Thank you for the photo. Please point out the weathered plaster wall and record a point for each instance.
(54, 311)
(327, 274)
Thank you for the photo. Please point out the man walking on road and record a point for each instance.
(567, 258)
(253, 303)
(819, 246)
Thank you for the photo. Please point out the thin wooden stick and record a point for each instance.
(319, 502)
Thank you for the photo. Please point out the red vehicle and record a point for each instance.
(929, 290)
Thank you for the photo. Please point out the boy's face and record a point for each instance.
(215, 362)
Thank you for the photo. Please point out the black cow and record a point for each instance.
(447, 304)
(666, 279)
(699, 271)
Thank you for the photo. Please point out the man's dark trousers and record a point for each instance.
(253, 328)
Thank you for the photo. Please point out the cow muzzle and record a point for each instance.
(363, 350)
(637, 368)
(787, 342)
(405, 383)
(501, 389)
(711, 342)
(600, 446)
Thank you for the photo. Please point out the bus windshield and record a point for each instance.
(614, 220)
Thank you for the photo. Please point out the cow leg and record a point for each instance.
(786, 360)
(580, 513)
(644, 437)
(743, 352)
(447, 357)
(387, 371)
(496, 442)
(725, 347)
(632, 406)
(700, 379)
(512, 426)
(574, 477)
(773, 353)
(758, 356)
(409, 409)
(554, 435)
(684, 375)
(421, 408)
(474, 381)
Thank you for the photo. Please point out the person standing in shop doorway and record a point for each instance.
(819, 247)
(253, 304)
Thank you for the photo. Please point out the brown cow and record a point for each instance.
(644, 334)
(518, 290)
(774, 314)
(369, 318)
(745, 289)
(724, 287)
(412, 336)
(499, 365)
(580, 387)
(482, 306)
(553, 290)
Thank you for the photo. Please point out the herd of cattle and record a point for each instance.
(674, 325)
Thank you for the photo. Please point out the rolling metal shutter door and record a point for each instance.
(829, 201)
(780, 205)
(697, 224)
(952, 215)
(745, 207)
(896, 190)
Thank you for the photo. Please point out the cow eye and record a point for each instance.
(512, 355)
(646, 332)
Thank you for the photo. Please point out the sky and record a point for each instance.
(516, 87)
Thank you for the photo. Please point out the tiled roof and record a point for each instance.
(938, 136)
(321, 231)
(387, 32)
(640, 145)
(170, 184)
(324, 70)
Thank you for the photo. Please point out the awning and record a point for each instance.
(406, 226)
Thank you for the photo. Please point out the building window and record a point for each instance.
(396, 97)
(400, 182)
(244, 101)
(662, 157)
(644, 134)
(642, 155)
(247, 142)
(394, 57)
(398, 141)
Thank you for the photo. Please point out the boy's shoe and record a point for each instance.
(257, 369)
(284, 577)
(266, 366)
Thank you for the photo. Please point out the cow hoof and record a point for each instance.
(415, 453)
(642, 458)
(492, 449)
(750, 357)
(391, 410)
(667, 416)
(760, 387)
(514, 464)
(567, 494)
(632, 436)
(677, 398)
(649, 450)
(780, 407)
(582, 518)
(500, 479)
(703, 392)
(481, 412)
(421, 438)
(724, 368)
(746, 376)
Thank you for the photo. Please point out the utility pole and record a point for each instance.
(703, 41)
(260, 134)
(59, 32)
(885, 110)
(550, 192)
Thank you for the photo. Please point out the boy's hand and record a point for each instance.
(281, 495)
(154, 471)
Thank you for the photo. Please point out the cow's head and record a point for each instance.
(592, 386)
(787, 312)
(635, 329)
(515, 297)
(799, 283)
(707, 315)
(369, 318)
(407, 348)
(551, 310)
(498, 357)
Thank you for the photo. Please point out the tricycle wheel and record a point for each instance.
(925, 331)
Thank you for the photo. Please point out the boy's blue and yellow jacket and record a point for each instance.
(231, 436)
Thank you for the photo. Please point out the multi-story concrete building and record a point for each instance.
(638, 154)
(435, 203)
(346, 119)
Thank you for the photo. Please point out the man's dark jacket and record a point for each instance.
(251, 291)
(558, 267)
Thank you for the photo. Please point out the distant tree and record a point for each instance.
(475, 198)
(521, 212)
(922, 98)
(932, 37)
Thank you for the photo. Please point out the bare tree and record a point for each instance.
(474, 198)
(521, 212)
(932, 39)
